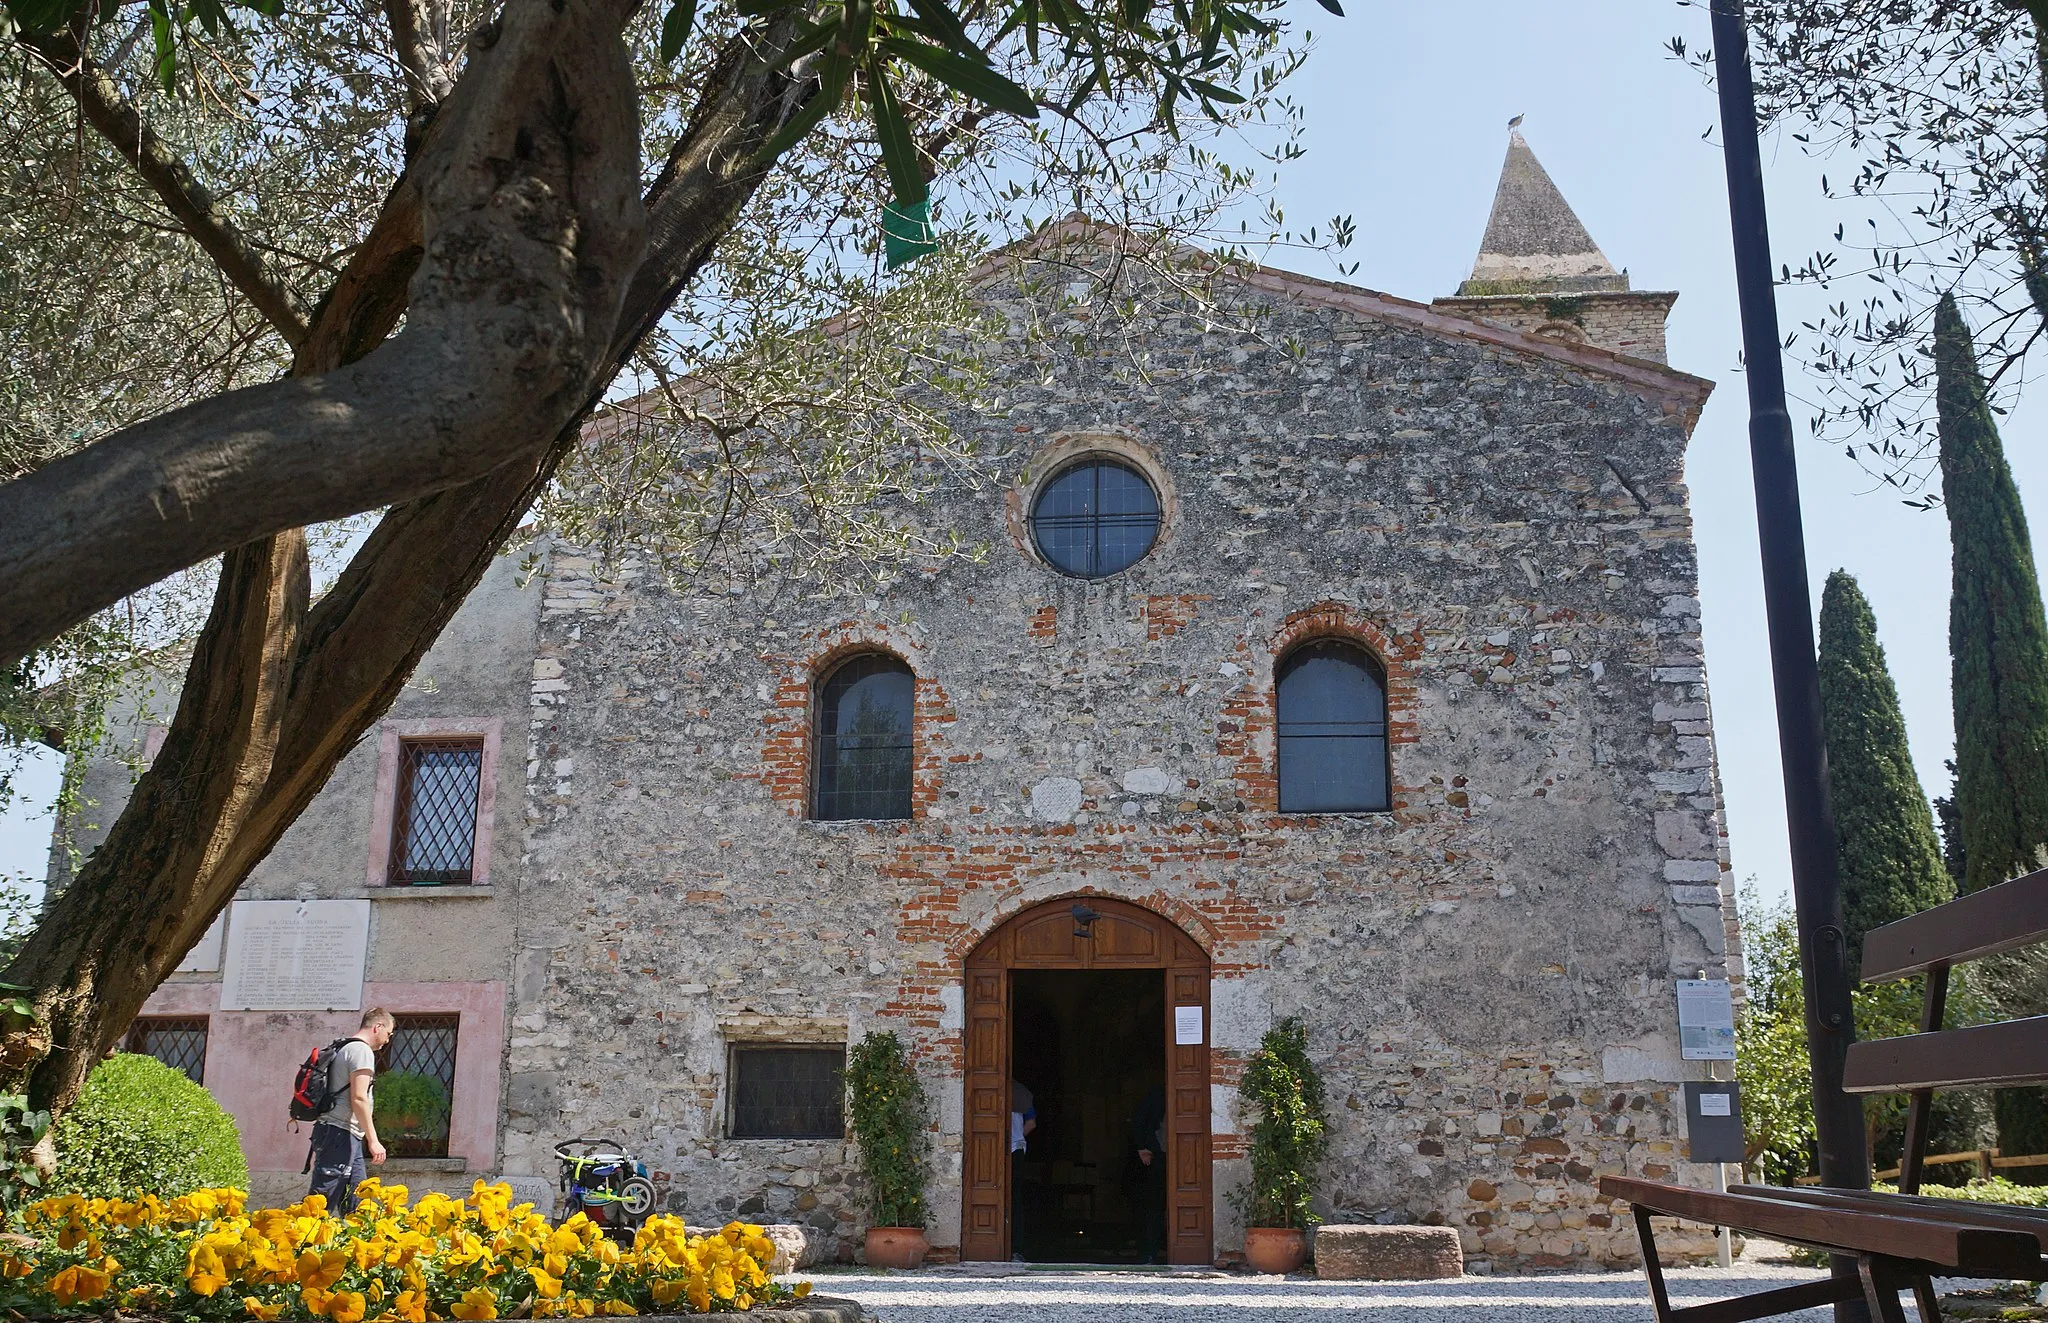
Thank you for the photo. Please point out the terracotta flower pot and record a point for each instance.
(1275, 1249)
(897, 1247)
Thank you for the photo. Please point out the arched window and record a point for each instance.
(1095, 518)
(1332, 700)
(863, 738)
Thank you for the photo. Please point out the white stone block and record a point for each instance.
(1240, 1012)
(1145, 781)
(1625, 1063)
(1056, 799)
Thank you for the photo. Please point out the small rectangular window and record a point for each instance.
(780, 1092)
(414, 1091)
(434, 838)
(179, 1041)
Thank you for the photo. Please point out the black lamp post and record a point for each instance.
(1788, 604)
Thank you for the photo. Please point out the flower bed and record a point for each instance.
(203, 1256)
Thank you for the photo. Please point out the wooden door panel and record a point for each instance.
(1128, 942)
(1123, 936)
(1190, 1198)
(985, 1163)
(1047, 941)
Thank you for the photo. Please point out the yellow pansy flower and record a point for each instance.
(257, 1309)
(322, 1268)
(204, 1272)
(79, 1285)
(476, 1303)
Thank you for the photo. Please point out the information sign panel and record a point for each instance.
(1706, 1019)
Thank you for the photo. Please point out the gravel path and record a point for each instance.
(952, 1295)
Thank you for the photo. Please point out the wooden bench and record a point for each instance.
(1898, 1241)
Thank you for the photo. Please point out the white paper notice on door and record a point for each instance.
(1715, 1104)
(1187, 1026)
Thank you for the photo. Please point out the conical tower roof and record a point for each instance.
(1535, 243)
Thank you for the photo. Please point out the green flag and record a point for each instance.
(907, 231)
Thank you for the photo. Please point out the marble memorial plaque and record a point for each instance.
(204, 957)
(296, 955)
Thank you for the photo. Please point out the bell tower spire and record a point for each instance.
(1539, 271)
(1535, 243)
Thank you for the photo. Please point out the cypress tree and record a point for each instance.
(1998, 654)
(1891, 859)
(1997, 636)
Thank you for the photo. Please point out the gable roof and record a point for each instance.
(1677, 392)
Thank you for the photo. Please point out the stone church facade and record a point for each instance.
(1476, 505)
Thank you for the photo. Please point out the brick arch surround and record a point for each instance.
(786, 763)
(1246, 733)
(1122, 936)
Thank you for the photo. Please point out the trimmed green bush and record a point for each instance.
(141, 1127)
(1997, 1190)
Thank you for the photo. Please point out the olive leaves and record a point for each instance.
(1181, 51)
(169, 22)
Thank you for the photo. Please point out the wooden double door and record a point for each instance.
(1062, 935)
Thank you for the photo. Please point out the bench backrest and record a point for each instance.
(2013, 1052)
(1988, 922)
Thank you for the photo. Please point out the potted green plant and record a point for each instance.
(886, 1106)
(1289, 1140)
(410, 1106)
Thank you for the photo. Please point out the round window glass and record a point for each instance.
(1095, 518)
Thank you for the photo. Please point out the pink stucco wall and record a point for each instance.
(251, 1056)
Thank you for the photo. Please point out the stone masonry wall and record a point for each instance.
(1628, 323)
(1486, 969)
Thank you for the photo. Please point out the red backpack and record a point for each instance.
(312, 1091)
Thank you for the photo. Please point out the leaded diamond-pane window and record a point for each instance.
(435, 838)
(414, 1091)
(1332, 730)
(864, 740)
(788, 1092)
(179, 1041)
(1095, 518)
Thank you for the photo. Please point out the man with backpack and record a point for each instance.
(333, 1091)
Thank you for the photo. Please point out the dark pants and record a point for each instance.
(1151, 1199)
(337, 1166)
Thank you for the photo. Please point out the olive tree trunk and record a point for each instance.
(279, 691)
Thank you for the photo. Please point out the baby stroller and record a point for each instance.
(603, 1182)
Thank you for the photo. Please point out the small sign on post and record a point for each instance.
(1706, 1019)
(1713, 1121)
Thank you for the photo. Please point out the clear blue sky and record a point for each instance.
(1407, 107)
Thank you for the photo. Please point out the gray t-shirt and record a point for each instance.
(350, 1057)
